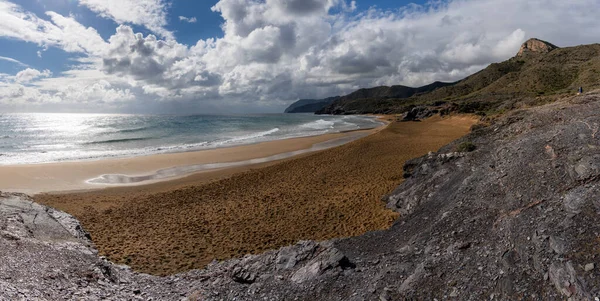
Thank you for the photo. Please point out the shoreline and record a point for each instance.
(78, 176)
(378, 120)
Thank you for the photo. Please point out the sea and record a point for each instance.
(45, 138)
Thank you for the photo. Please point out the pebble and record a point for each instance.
(588, 267)
(384, 297)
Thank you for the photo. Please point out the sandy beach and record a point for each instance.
(74, 176)
(181, 224)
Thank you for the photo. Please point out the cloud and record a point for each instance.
(29, 74)
(62, 32)
(155, 62)
(8, 59)
(275, 51)
(151, 14)
(75, 90)
(303, 7)
(186, 19)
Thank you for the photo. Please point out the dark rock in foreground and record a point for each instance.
(517, 218)
(46, 255)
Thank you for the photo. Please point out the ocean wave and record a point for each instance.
(134, 130)
(250, 136)
(112, 131)
(168, 148)
(320, 124)
(117, 140)
(350, 124)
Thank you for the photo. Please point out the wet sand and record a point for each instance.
(75, 176)
(183, 224)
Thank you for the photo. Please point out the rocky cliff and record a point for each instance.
(508, 212)
(535, 46)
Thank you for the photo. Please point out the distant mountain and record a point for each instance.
(539, 70)
(377, 98)
(309, 105)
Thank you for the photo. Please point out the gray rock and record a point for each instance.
(558, 245)
(328, 259)
(418, 113)
(308, 272)
(588, 267)
(242, 275)
(565, 280)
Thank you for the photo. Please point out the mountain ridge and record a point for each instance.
(537, 72)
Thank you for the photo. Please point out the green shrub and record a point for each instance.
(466, 147)
(478, 126)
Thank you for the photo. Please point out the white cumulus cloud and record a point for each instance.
(29, 74)
(151, 14)
(62, 32)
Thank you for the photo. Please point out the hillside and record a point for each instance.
(539, 72)
(309, 105)
(380, 97)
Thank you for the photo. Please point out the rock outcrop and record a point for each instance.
(535, 46)
(418, 113)
(514, 219)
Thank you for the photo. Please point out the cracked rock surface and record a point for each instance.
(515, 219)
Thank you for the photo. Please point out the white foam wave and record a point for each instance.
(169, 148)
(320, 124)
(349, 125)
(250, 136)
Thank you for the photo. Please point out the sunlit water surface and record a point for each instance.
(42, 138)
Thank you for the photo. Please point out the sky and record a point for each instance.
(252, 56)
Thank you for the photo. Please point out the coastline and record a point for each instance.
(183, 224)
(77, 176)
